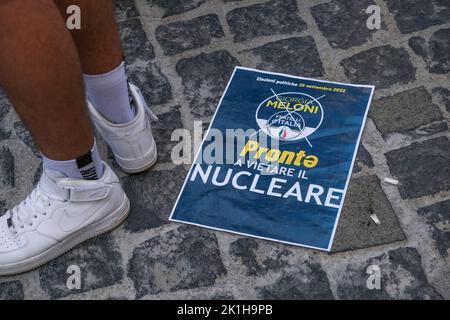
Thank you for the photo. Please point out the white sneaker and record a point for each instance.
(58, 215)
(132, 143)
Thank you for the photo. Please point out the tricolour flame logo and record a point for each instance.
(283, 133)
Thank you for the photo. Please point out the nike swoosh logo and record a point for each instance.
(70, 222)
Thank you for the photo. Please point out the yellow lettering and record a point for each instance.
(298, 160)
(260, 151)
(250, 147)
(310, 161)
(309, 109)
(298, 107)
(273, 155)
(272, 103)
(283, 157)
(287, 157)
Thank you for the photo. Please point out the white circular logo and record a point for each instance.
(289, 116)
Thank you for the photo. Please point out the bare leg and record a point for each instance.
(41, 73)
(101, 56)
(98, 40)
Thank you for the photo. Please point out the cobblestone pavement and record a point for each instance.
(181, 54)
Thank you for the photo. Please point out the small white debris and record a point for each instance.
(375, 218)
(391, 181)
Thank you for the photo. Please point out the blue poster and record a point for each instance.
(276, 160)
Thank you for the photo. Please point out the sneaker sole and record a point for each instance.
(96, 229)
(140, 169)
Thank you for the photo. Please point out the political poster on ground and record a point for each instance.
(276, 160)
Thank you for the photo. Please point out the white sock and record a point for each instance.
(109, 94)
(88, 166)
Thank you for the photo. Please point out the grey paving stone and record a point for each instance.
(297, 56)
(422, 168)
(355, 229)
(338, 15)
(402, 277)
(134, 40)
(99, 261)
(414, 15)
(162, 132)
(258, 256)
(125, 9)
(152, 195)
(363, 158)
(11, 291)
(429, 129)
(443, 95)
(438, 217)
(151, 81)
(5, 130)
(6, 168)
(117, 298)
(435, 52)
(381, 66)
(172, 7)
(404, 111)
(307, 281)
(224, 296)
(265, 19)
(180, 36)
(2, 207)
(185, 258)
(146, 75)
(298, 279)
(24, 135)
(419, 46)
(204, 78)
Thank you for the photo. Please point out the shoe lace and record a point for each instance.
(28, 210)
